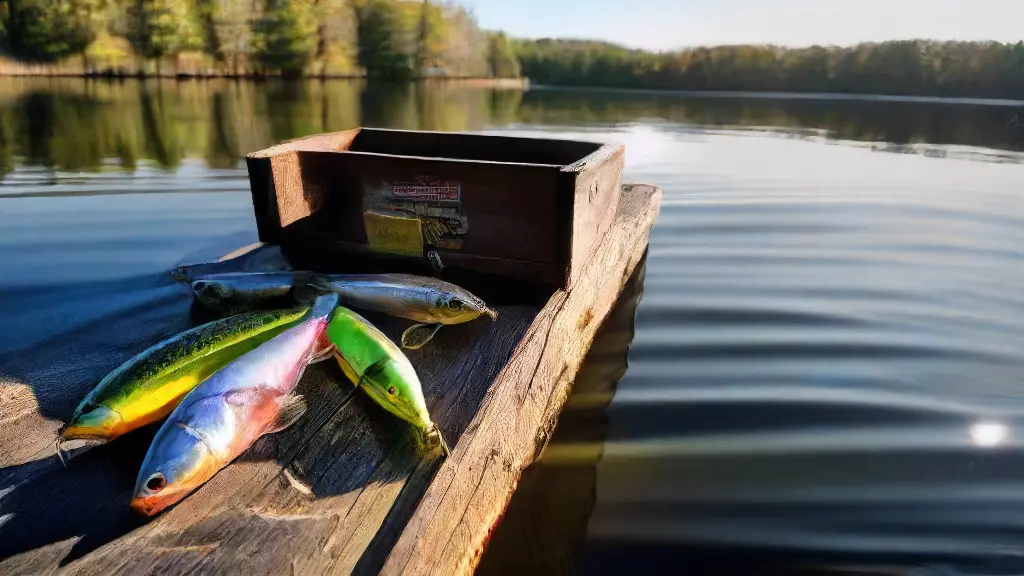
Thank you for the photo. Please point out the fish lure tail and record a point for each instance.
(491, 312)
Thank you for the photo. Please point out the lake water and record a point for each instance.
(820, 363)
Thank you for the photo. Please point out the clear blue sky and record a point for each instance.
(666, 24)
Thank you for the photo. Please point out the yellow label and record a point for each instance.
(394, 232)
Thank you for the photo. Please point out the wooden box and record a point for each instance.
(526, 208)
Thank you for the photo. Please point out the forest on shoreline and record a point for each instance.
(409, 39)
(904, 68)
(395, 39)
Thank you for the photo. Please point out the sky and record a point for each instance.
(668, 24)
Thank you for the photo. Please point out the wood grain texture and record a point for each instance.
(596, 192)
(265, 169)
(370, 498)
(544, 528)
(295, 199)
(336, 141)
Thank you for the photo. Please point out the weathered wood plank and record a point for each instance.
(544, 528)
(449, 528)
(354, 457)
(368, 497)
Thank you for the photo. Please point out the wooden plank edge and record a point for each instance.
(449, 528)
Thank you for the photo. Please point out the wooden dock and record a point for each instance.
(345, 490)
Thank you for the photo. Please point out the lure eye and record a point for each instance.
(391, 391)
(455, 304)
(156, 482)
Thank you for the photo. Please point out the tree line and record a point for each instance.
(912, 67)
(404, 39)
(377, 38)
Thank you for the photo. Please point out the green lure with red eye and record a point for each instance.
(374, 363)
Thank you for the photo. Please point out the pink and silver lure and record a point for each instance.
(223, 416)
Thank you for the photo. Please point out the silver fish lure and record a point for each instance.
(237, 292)
(428, 301)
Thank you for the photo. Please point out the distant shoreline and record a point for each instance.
(43, 71)
(766, 95)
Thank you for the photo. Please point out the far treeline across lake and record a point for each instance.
(408, 39)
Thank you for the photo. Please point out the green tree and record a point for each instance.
(464, 51)
(47, 30)
(335, 37)
(382, 49)
(285, 37)
(502, 60)
(227, 27)
(160, 28)
(429, 37)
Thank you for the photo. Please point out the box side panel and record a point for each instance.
(328, 181)
(264, 199)
(596, 193)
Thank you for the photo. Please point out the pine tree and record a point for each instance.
(285, 37)
(160, 28)
(383, 49)
(47, 30)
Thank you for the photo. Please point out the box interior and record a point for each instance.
(472, 147)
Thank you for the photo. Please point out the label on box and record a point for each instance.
(435, 203)
(394, 232)
(426, 189)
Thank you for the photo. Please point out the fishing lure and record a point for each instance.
(220, 418)
(145, 388)
(372, 362)
(430, 302)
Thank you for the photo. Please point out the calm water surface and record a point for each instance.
(826, 367)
